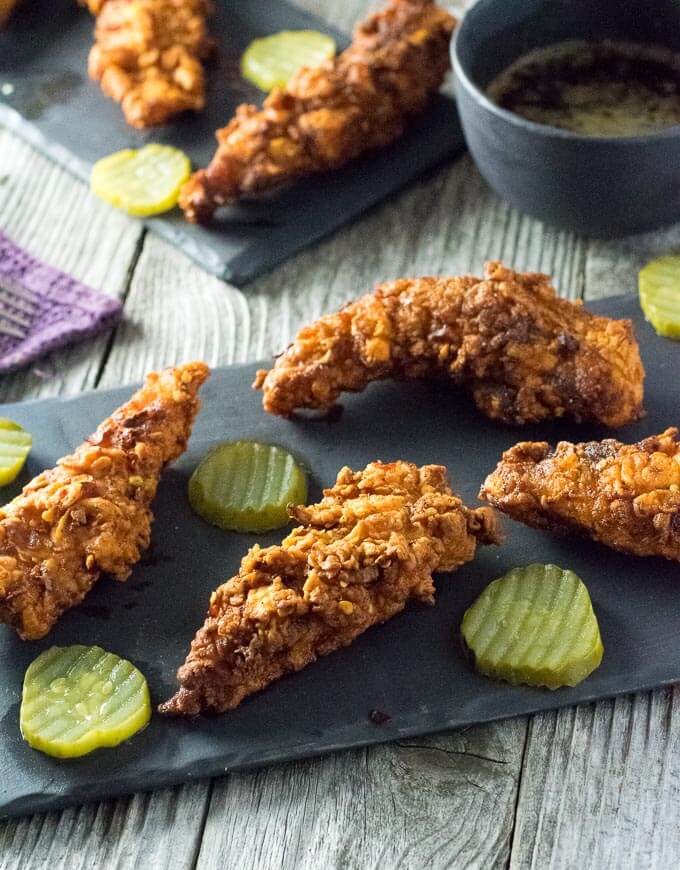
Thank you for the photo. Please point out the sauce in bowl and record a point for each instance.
(606, 88)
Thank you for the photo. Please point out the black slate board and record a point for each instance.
(46, 97)
(411, 668)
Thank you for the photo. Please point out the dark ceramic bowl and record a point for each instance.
(604, 187)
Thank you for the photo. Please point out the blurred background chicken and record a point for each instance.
(148, 56)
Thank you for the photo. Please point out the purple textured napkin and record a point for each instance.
(57, 310)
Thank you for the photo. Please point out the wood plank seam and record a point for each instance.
(203, 822)
(134, 260)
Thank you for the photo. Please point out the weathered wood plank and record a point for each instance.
(612, 267)
(601, 786)
(157, 830)
(442, 801)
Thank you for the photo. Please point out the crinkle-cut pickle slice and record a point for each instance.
(271, 61)
(15, 445)
(79, 698)
(245, 486)
(142, 182)
(534, 625)
(659, 284)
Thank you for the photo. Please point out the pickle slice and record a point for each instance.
(659, 284)
(245, 486)
(271, 61)
(15, 445)
(534, 625)
(143, 181)
(79, 698)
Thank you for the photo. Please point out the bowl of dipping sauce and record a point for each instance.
(571, 109)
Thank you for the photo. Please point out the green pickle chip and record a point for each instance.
(144, 181)
(659, 284)
(271, 61)
(79, 698)
(534, 625)
(15, 445)
(246, 486)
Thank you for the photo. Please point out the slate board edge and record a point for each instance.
(48, 802)
(235, 272)
(17, 124)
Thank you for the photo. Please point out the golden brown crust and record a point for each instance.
(91, 513)
(356, 559)
(328, 115)
(626, 496)
(148, 56)
(525, 354)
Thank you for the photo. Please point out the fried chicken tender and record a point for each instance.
(626, 496)
(525, 354)
(148, 56)
(91, 513)
(328, 115)
(357, 558)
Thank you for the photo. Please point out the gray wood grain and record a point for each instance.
(160, 829)
(612, 267)
(442, 801)
(595, 786)
(601, 786)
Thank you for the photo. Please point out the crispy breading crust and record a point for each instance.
(525, 354)
(91, 513)
(357, 558)
(148, 56)
(328, 115)
(626, 496)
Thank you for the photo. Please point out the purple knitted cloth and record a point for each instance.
(58, 310)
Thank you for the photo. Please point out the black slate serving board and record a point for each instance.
(411, 668)
(46, 97)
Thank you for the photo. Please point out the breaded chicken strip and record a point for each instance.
(330, 114)
(525, 354)
(626, 496)
(357, 558)
(91, 513)
(148, 56)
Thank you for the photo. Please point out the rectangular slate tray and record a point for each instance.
(46, 97)
(411, 668)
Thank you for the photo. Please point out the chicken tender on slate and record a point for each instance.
(626, 496)
(525, 354)
(148, 56)
(328, 115)
(91, 513)
(356, 559)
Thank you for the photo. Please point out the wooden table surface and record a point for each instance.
(596, 786)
